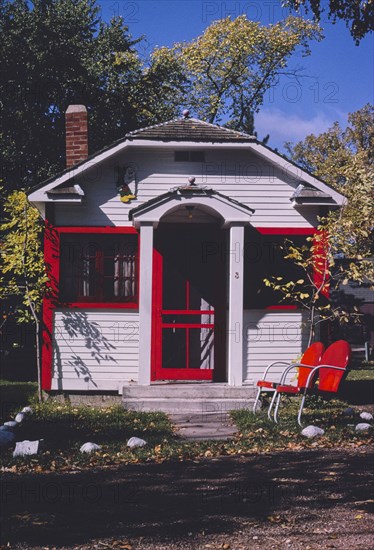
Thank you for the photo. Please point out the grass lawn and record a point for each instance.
(329, 415)
(361, 374)
(65, 428)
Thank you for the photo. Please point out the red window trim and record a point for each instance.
(187, 312)
(187, 326)
(321, 263)
(98, 305)
(94, 229)
(286, 230)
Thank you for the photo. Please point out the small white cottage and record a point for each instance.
(157, 247)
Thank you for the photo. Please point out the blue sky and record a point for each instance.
(340, 75)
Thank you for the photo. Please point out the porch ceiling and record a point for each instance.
(227, 210)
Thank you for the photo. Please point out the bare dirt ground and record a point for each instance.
(318, 498)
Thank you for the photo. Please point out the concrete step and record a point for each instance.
(199, 406)
(188, 391)
(193, 398)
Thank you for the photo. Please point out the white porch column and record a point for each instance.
(145, 303)
(235, 310)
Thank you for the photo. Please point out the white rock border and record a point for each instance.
(312, 431)
(363, 427)
(90, 447)
(134, 442)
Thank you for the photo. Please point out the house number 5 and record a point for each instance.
(236, 275)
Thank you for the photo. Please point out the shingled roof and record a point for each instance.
(189, 129)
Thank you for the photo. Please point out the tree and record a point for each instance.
(342, 249)
(23, 272)
(345, 160)
(233, 63)
(357, 14)
(68, 55)
(225, 71)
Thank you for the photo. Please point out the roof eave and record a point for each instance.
(305, 203)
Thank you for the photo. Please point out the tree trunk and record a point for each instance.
(38, 361)
(311, 326)
(32, 309)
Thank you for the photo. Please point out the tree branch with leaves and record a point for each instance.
(358, 15)
(23, 271)
(342, 248)
(234, 62)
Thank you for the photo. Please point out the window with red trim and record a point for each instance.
(98, 268)
(264, 258)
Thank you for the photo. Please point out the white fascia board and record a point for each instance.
(40, 206)
(295, 171)
(306, 204)
(79, 190)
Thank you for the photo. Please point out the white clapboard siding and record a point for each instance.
(241, 175)
(271, 335)
(95, 349)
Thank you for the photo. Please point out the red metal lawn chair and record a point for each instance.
(330, 372)
(310, 359)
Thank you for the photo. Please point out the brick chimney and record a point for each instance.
(76, 134)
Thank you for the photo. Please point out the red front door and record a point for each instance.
(184, 299)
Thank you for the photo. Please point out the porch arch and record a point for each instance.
(232, 215)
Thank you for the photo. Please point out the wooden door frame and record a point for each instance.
(219, 372)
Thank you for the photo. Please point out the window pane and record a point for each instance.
(174, 287)
(98, 268)
(174, 348)
(189, 156)
(181, 156)
(87, 275)
(197, 156)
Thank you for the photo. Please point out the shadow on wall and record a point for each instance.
(80, 335)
